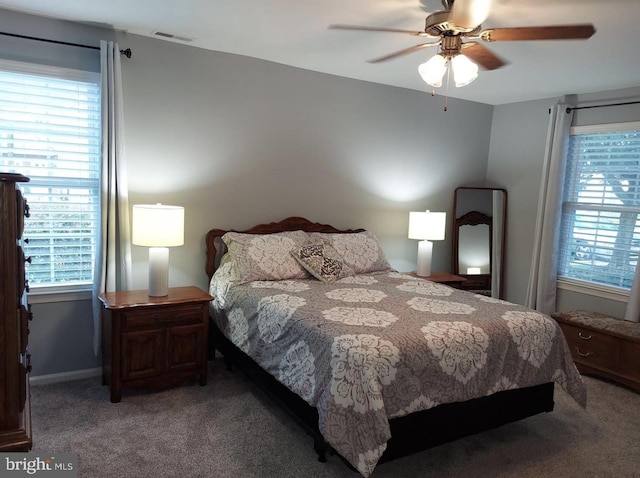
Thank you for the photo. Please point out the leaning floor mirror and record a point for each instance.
(479, 236)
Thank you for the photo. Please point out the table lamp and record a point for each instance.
(426, 226)
(158, 227)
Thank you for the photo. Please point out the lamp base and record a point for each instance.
(158, 271)
(425, 249)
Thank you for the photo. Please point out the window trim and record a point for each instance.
(64, 292)
(585, 287)
(49, 294)
(590, 288)
(605, 128)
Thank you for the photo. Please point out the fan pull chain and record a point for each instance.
(446, 97)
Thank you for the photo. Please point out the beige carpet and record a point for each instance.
(230, 429)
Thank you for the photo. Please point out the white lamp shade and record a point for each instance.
(433, 70)
(158, 225)
(427, 225)
(464, 70)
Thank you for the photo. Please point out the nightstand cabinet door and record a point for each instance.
(184, 347)
(142, 354)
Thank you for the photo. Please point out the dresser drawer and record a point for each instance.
(162, 316)
(592, 348)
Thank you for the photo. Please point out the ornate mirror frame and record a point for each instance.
(492, 211)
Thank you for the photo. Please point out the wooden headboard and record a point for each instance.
(216, 248)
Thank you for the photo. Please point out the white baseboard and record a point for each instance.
(65, 376)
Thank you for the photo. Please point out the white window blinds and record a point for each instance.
(50, 131)
(600, 234)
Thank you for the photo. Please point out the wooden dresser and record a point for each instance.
(154, 342)
(603, 346)
(15, 412)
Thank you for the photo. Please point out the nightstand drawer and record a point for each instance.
(590, 347)
(162, 316)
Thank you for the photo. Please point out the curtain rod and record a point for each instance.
(569, 109)
(126, 52)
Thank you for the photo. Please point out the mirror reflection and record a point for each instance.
(479, 238)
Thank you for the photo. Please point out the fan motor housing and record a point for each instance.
(438, 24)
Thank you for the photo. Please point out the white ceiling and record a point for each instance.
(294, 32)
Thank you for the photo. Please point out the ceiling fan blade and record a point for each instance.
(482, 56)
(376, 29)
(557, 32)
(406, 51)
(469, 13)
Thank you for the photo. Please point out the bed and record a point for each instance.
(373, 363)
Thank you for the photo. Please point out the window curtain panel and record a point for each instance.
(541, 289)
(633, 306)
(112, 269)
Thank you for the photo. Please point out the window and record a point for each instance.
(50, 131)
(600, 233)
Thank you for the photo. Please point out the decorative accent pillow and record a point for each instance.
(360, 251)
(266, 256)
(322, 262)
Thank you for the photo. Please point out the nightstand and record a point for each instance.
(154, 342)
(443, 278)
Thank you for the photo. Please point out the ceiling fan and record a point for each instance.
(461, 20)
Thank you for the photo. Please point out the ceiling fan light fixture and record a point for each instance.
(464, 70)
(433, 70)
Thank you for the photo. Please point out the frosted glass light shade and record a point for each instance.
(157, 225)
(464, 70)
(433, 70)
(427, 225)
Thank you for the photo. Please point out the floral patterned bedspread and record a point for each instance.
(368, 348)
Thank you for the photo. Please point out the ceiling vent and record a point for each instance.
(171, 36)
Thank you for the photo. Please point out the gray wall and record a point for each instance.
(238, 141)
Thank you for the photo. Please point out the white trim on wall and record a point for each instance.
(603, 291)
(65, 376)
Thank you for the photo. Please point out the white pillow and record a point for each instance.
(266, 256)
